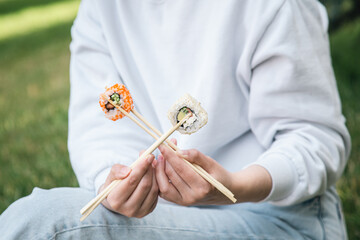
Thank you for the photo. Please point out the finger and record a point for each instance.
(142, 167)
(209, 165)
(174, 141)
(147, 205)
(137, 198)
(175, 179)
(153, 163)
(154, 205)
(126, 187)
(195, 156)
(180, 167)
(117, 171)
(143, 213)
(134, 206)
(167, 190)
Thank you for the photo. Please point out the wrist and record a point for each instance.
(252, 184)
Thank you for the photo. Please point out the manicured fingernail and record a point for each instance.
(125, 171)
(160, 158)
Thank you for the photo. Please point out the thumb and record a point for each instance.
(117, 172)
(196, 157)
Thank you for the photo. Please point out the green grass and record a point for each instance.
(36, 18)
(34, 98)
(345, 53)
(10, 6)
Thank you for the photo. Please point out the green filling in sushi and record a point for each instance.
(182, 113)
(115, 97)
(183, 106)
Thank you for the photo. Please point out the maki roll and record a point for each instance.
(120, 95)
(187, 104)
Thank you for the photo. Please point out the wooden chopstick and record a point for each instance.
(219, 186)
(108, 189)
(87, 206)
(95, 202)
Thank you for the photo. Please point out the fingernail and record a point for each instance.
(154, 163)
(160, 148)
(183, 153)
(160, 158)
(149, 159)
(125, 171)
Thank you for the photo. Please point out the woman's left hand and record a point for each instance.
(178, 183)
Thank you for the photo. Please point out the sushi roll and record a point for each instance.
(187, 104)
(119, 94)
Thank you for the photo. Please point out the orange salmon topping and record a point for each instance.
(126, 102)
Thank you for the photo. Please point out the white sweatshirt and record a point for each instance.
(260, 68)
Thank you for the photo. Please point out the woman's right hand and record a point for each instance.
(137, 194)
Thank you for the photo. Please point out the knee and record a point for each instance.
(55, 203)
(45, 203)
(24, 208)
(43, 209)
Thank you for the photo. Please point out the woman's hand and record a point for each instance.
(179, 183)
(136, 195)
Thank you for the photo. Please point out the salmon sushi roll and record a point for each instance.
(183, 106)
(120, 95)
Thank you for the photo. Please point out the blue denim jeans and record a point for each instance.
(55, 214)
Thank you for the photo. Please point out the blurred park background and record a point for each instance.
(34, 96)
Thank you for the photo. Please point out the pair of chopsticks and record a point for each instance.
(174, 148)
(88, 208)
(85, 211)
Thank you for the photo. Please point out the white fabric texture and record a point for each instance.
(260, 68)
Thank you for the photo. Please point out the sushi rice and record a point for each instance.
(126, 102)
(198, 119)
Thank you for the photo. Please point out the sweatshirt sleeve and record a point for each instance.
(95, 143)
(294, 107)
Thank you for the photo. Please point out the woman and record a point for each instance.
(276, 136)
